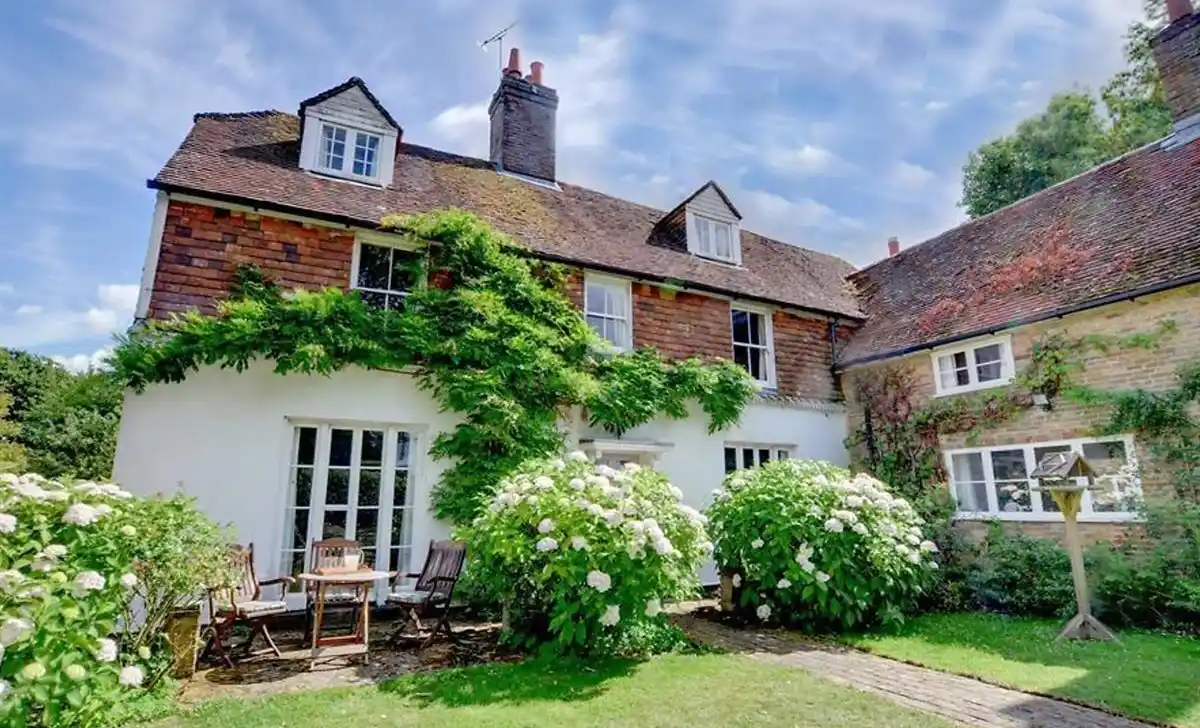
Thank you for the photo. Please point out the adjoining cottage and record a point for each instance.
(1114, 251)
(287, 459)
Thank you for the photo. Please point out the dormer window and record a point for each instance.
(708, 222)
(714, 239)
(362, 161)
(347, 133)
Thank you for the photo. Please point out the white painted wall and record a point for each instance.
(225, 438)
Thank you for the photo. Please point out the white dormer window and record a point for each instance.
(714, 239)
(979, 365)
(338, 157)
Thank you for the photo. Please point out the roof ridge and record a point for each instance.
(233, 115)
(1014, 205)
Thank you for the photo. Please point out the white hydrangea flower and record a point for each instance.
(599, 581)
(860, 529)
(783, 583)
(106, 651)
(613, 517)
(128, 581)
(144, 652)
(5, 690)
(929, 546)
(902, 549)
(846, 516)
(579, 543)
(507, 498)
(531, 500)
(933, 565)
(596, 509)
(547, 544)
(737, 580)
(663, 547)
(915, 557)
(822, 577)
(33, 671)
(632, 467)
(653, 608)
(763, 612)
(28, 489)
(131, 676)
(629, 508)
(578, 456)
(804, 553)
(610, 491)
(605, 472)
(76, 672)
(808, 566)
(13, 630)
(546, 526)
(81, 514)
(720, 495)
(558, 464)
(737, 483)
(816, 512)
(833, 525)
(55, 551)
(636, 550)
(8, 523)
(706, 547)
(756, 543)
(543, 482)
(10, 578)
(43, 563)
(695, 517)
(676, 493)
(104, 509)
(913, 539)
(599, 481)
(85, 582)
(577, 484)
(583, 503)
(611, 616)
(853, 501)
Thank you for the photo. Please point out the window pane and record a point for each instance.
(306, 445)
(400, 560)
(756, 328)
(594, 297)
(597, 325)
(368, 487)
(365, 146)
(334, 525)
(970, 489)
(371, 455)
(1039, 453)
(741, 357)
(747, 457)
(722, 235)
(374, 300)
(395, 302)
(302, 485)
(1117, 490)
(404, 263)
(730, 460)
(400, 527)
(333, 146)
(337, 489)
(988, 364)
(300, 528)
(782, 455)
(758, 368)
(400, 488)
(366, 526)
(764, 456)
(1013, 496)
(619, 336)
(704, 235)
(967, 466)
(297, 562)
(340, 446)
(402, 449)
(741, 327)
(374, 262)
(1008, 464)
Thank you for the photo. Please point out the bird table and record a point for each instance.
(357, 642)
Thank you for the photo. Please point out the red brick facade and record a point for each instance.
(202, 245)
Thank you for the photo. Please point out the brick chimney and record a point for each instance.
(1177, 53)
(523, 113)
(893, 247)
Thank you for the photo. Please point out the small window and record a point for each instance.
(385, 275)
(363, 159)
(753, 347)
(743, 457)
(606, 303)
(978, 366)
(715, 239)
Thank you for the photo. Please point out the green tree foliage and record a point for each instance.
(12, 453)
(1074, 133)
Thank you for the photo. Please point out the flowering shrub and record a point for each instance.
(581, 555)
(809, 544)
(69, 567)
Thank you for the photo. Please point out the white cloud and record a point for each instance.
(119, 297)
(807, 159)
(936, 106)
(85, 362)
(7, 289)
(464, 127)
(111, 311)
(907, 176)
(28, 309)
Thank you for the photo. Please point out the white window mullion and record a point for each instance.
(989, 476)
(1035, 496)
(316, 517)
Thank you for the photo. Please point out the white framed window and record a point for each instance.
(384, 274)
(979, 365)
(607, 308)
(709, 237)
(743, 457)
(347, 481)
(349, 152)
(994, 482)
(753, 343)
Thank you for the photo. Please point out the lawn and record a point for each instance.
(1146, 675)
(663, 692)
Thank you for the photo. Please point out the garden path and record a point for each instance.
(961, 699)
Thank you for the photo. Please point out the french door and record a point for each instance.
(349, 482)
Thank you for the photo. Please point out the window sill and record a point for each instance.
(1047, 517)
(373, 182)
(973, 388)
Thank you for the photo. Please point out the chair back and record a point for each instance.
(244, 587)
(336, 556)
(444, 561)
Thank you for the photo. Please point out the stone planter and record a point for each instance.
(183, 635)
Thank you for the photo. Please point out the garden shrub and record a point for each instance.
(1021, 575)
(582, 557)
(810, 545)
(71, 561)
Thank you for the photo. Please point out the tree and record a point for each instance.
(12, 453)
(1073, 134)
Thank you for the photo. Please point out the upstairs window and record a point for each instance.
(739, 457)
(716, 239)
(606, 304)
(977, 366)
(349, 153)
(384, 275)
(753, 345)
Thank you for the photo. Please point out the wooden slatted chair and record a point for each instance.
(333, 556)
(242, 602)
(433, 590)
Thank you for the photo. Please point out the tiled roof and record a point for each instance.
(1129, 225)
(254, 156)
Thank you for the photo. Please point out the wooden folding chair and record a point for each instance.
(433, 591)
(242, 602)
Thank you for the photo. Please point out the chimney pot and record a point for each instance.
(1177, 9)
(523, 116)
(514, 63)
(893, 247)
(535, 72)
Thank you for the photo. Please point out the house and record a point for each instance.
(287, 459)
(1113, 251)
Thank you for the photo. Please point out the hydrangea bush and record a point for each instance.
(808, 544)
(582, 555)
(70, 559)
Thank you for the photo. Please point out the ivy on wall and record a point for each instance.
(494, 339)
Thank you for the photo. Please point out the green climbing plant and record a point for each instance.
(489, 332)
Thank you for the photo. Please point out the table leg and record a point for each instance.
(366, 621)
(318, 615)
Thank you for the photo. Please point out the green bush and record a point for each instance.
(1020, 575)
(72, 558)
(810, 545)
(582, 556)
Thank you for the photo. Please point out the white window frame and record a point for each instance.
(385, 542)
(993, 512)
(777, 452)
(352, 135)
(624, 288)
(379, 240)
(1007, 365)
(768, 348)
(696, 222)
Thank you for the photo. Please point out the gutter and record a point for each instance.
(349, 222)
(1035, 318)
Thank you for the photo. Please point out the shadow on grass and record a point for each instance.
(534, 680)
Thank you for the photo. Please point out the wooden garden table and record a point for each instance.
(355, 643)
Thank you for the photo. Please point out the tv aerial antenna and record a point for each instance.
(498, 40)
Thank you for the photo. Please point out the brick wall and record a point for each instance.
(1119, 369)
(201, 247)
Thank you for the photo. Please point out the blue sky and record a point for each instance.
(832, 125)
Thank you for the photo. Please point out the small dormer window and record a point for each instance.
(361, 161)
(714, 239)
